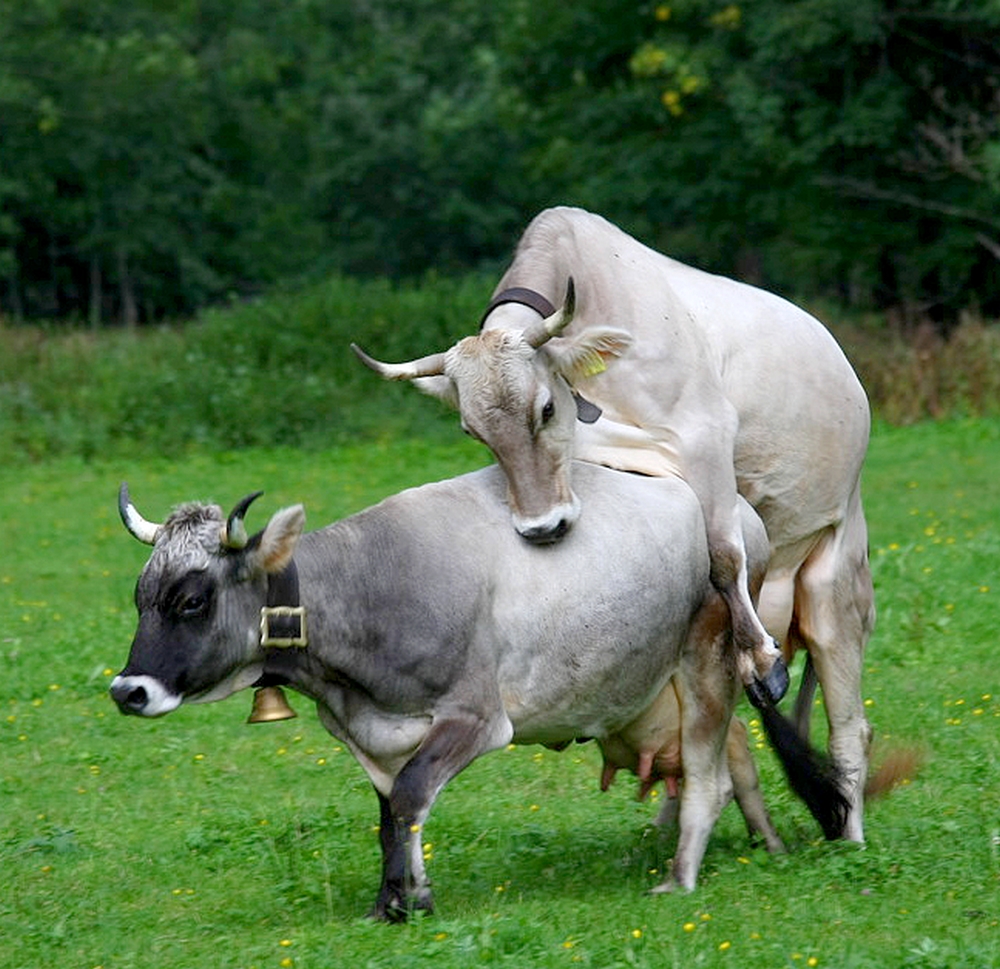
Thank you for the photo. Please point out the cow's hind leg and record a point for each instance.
(834, 615)
(450, 745)
(746, 787)
(707, 689)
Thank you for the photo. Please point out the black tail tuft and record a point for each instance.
(811, 774)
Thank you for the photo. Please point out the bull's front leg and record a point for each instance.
(758, 658)
(738, 551)
(450, 745)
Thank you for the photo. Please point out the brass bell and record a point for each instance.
(269, 704)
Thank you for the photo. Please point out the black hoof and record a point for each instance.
(772, 688)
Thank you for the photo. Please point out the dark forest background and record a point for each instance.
(157, 156)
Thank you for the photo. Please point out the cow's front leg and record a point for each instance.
(405, 888)
(450, 745)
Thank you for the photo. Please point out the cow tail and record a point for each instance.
(811, 774)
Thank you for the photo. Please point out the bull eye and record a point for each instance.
(548, 411)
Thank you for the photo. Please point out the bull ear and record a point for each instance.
(276, 544)
(588, 353)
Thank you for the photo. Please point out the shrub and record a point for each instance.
(278, 370)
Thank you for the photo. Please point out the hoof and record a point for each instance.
(664, 888)
(768, 691)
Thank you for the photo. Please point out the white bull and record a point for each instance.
(733, 388)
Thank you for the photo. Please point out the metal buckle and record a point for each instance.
(267, 613)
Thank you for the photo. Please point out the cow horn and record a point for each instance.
(552, 325)
(429, 366)
(234, 533)
(141, 529)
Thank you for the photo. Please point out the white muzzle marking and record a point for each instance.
(144, 695)
(551, 526)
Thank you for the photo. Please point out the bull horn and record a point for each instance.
(141, 529)
(429, 366)
(234, 533)
(552, 325)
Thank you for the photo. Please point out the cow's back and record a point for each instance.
(630, 575)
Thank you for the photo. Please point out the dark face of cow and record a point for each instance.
(198, 598)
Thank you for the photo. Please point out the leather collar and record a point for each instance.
(522, 295)
(283, 619)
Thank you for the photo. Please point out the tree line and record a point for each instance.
(156, 157)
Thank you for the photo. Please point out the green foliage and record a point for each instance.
(844, 144)
(263, 372)
(196, 840)
(160, 157)
(277, 370)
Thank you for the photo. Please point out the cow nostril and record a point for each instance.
(132, 699)
(137, 698)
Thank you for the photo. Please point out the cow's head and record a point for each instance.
(199, 598)
(513, 391)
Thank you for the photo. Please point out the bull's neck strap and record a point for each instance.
(283, 619)
(522, 295)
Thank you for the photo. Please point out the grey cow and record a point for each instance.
(429, 633)
(729, 386)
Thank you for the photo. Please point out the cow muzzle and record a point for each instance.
(143, 696)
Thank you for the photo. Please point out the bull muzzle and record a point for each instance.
(551, 527)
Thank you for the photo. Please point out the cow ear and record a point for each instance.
(588, 353)
(279, 538)
(441, 387)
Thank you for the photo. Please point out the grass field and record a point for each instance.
(199, 841)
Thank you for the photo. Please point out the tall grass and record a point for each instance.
(278, 371)
(922, 375)
(198, 841)
(274, 371)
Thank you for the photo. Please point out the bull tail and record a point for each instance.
(899, 766)
(811, 774)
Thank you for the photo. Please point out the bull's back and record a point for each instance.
(699, 338)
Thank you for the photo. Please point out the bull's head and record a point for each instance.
(199, 598)
(512, 388)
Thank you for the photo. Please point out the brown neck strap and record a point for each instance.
(519, 294)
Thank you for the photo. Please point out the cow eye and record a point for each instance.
(548, 411)
(193, 606)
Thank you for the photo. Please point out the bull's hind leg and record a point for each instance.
(834, 615)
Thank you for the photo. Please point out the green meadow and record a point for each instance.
(200, 841)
